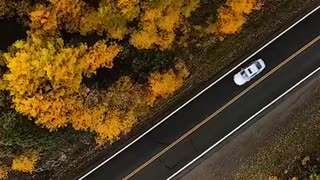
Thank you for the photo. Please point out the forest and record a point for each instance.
(85, 73)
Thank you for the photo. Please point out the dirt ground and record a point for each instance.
(268, 146)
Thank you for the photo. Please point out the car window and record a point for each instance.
(243, 74)
(258, 65)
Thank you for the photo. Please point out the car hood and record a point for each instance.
(238, 79)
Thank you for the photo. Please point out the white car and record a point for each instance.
(246, 74)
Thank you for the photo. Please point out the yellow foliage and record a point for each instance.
(50, 111)
(165, 41)
(114, 115)
(230, 22)
(115, 124)
(110, 17)
(45, 79)
(244, 6)
(232, 17)
(273, 178)
(85, 118)
(3, 8)
(314, 176)
(144, 39)
(305, 160)
(158, 23)
(169, 22)
(25, 162)
(9, 7)
(4, 171)
(165, 84)
(44, 75)
(34, 62)
(101, 55)
(123, 84)
(129, 8)
(45, 19)
(42, 17)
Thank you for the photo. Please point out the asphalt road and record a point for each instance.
(161, 166)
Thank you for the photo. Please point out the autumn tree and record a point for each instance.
(232, 16)
(159, 21)
(45, 75)
(164, 84)
(9, 8)
(3, 8)
(45, 19)
(111, 17)
(45, 80)
(4, 171)
(25, 162)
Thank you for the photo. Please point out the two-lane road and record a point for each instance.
(219, 110)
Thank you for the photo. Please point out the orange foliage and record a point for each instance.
(273, 178)
(110, 17)
(51, 111)
(115, 124)
(25, 162)
(3, 8)
(35, 62)
(45, 78)
(9, 7)
(144, 39)
(232, 17)
(157, 24)
(4, 170)
(129, 8)
(45, 19)
(101, 55)
(165, 84)
(42, 18)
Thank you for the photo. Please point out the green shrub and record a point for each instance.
(18, 134)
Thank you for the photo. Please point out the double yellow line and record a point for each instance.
(222, 108)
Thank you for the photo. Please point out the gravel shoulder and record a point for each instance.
(286, 132)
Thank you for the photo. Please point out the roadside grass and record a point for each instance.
(283, 156)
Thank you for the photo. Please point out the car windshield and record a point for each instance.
(243, 74)
(258, 65)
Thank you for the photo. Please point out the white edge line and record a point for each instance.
(244, 123)
(215, 82)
